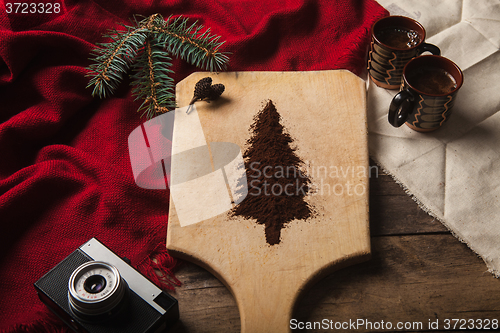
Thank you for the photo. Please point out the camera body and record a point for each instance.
(95, 291)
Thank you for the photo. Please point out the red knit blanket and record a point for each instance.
(65, 174)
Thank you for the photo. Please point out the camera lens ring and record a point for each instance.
(103, 299)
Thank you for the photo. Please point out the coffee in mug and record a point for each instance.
(428, 92)
(432, 80)
(398, 37)
(395, 41)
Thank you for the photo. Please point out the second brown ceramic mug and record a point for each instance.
(428, 93)
(395, 40)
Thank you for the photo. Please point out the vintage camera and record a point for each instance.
(95, 291)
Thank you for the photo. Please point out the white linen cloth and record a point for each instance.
(453, 172)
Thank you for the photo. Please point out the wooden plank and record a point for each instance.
(325, 114)
(205, 304)
(393, 212)
(414, 279)
(409, 279)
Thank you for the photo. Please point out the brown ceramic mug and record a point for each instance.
(395, 41)
(428, 91)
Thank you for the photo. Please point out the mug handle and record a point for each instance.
(429, 48)
(400, 108)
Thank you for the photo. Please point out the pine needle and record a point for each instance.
(193, 44)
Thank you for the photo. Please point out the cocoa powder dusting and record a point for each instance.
(276, 183)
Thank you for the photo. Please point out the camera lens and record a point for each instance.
(94, 284)
(96, 290)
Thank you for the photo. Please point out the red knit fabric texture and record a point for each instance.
(65, 174)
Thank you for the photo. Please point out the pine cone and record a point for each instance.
(202, 89)
(215, 91)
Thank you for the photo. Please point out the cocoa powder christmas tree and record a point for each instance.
(276, 184)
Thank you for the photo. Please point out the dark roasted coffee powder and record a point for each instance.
(276, 182)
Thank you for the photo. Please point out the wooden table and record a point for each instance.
(419, 273)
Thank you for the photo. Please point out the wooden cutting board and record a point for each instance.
(325, 114)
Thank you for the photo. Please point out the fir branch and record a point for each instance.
(113, 59)
(152, 81)
(145, 47)
(200, 49)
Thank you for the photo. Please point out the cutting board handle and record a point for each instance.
(266, 308)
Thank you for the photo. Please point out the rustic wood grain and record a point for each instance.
(409, 279)
(418, 273)
(392, 211)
